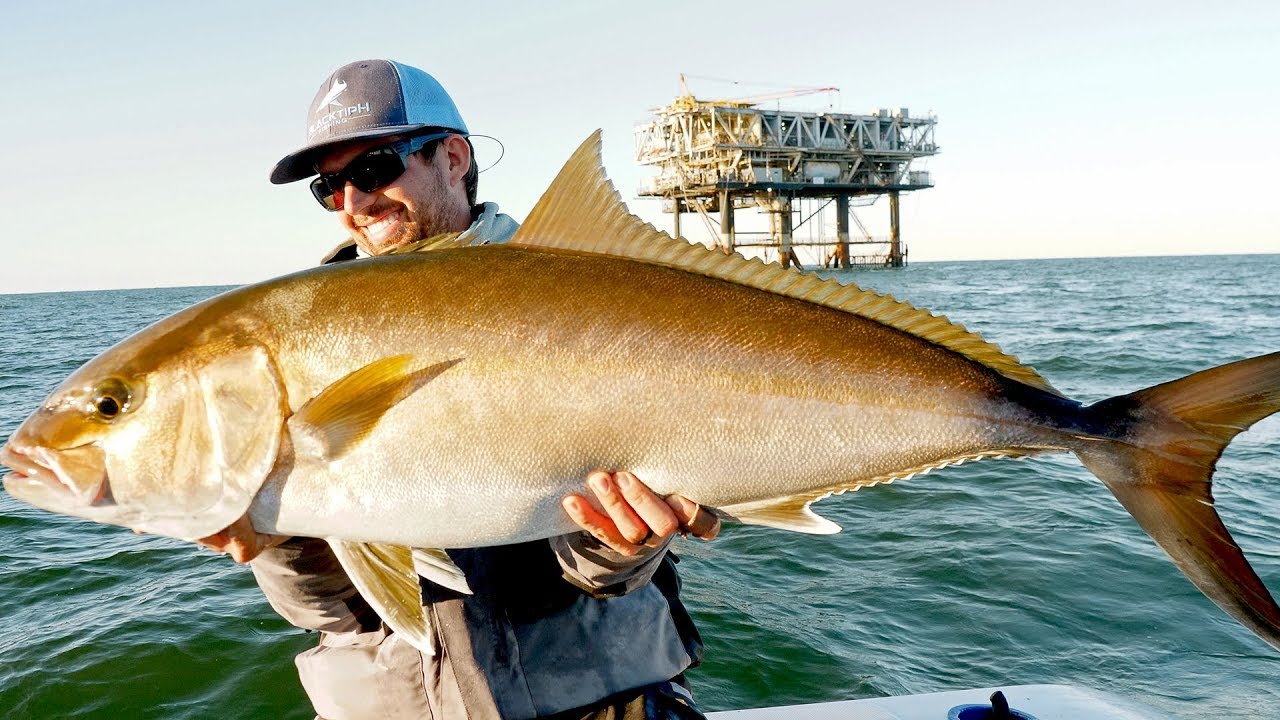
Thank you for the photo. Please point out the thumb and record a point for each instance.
(695, 520)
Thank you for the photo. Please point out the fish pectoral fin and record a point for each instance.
(788, 513)
(435, 565)
(344, 413)
(386, 578)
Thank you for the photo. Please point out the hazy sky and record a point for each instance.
(136, 137)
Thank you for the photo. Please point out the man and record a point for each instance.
(584, 625)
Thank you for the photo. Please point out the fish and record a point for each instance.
(451, 395)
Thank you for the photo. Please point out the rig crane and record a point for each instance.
(688, 99)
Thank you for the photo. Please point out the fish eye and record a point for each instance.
(110, 398)
(107, 406)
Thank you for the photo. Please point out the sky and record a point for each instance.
(137, 137)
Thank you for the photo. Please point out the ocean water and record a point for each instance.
(993, 573)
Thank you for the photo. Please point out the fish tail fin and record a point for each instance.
(1157, 455)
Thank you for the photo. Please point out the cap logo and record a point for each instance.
(331, 97)
(327, 115)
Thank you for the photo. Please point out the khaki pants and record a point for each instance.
(366, 676)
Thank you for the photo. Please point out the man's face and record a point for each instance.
(415, 206)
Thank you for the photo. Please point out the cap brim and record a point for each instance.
(301, 164)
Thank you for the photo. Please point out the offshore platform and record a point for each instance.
(718, 156)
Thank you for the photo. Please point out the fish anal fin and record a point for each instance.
(345, 412)
(581, 211)
(790, 513)
(793, 512)
(385, 576)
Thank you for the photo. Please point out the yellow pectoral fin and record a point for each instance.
(345, 413)
(385, 577)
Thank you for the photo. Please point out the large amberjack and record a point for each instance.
(450, 398)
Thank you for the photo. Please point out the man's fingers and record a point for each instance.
(241, 541)
(614, 494)
(633, 517)
(657, 516)
(695, 520)
(242, 549)
(601, 526)
(216, 542)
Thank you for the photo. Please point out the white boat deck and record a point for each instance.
(1040, 702)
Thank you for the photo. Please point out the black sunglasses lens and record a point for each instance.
(375, 170)
(325, 194)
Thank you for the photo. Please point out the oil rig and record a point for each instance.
(717, 156)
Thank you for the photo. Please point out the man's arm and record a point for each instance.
(306, 585)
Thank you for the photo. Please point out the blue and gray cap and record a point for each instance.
(368, 99)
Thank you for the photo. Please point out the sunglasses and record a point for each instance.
(371, 171)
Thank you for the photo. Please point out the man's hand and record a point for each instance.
(241, 540)
(634, 518)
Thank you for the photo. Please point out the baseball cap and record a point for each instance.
(369, 99)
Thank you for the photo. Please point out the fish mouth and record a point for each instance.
(77, 474)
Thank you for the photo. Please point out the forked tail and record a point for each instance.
(1159, 461)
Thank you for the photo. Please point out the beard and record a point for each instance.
(424, 218)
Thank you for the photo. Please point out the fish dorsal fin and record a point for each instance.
(582, 211)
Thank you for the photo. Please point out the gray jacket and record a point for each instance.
(552, 625)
